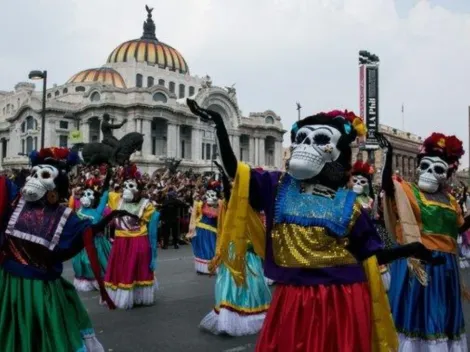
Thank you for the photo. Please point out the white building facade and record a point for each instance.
(146, 82)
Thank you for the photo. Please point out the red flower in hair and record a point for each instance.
(61, 153)
(362, 168)
(454, 147)
(46, 153)
(435, 142)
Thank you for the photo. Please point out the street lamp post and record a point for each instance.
(41, 75)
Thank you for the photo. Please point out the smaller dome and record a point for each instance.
(103, 75)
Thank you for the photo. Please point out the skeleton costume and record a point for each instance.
(204, 237)
(361, 180)
(319, 245)
(238, 310)
(130, 276)
(40, 310)
(93, 206)
(426, 300)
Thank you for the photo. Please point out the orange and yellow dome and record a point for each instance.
(151, 51)
(103, 75)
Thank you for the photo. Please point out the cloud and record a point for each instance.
(276, 51)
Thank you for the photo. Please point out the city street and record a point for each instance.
(172, 324)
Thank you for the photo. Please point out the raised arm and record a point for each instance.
(118, 125)
(229, 160)
(387, 173)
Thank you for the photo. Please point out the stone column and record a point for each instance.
(178, 141)
(251, 150)
(262, 152)
(171, 141)
(146, 131)
(236, 146)
(196, 144)
(256, 154)
(85, 130)
(278, 154)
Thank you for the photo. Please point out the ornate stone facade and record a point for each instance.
(146, 82)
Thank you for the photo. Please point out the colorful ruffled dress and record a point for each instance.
(204, 240)
(429, 318)
(239, 310)
(41, 311)
(130, 279)
(84, 278)
(367, 204)
(329, 294)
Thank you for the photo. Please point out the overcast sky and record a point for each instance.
(276, 51)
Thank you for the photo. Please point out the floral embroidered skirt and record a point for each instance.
(43, 316)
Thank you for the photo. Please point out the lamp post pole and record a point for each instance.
(43, 112)
(41, 75)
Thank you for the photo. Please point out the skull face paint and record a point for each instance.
(314, 146)
(130, 190)
(360, 185)
(432, 173)
(211, 198)
(39, 183)
(88, 198)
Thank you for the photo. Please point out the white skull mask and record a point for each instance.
(129, 191)
(432, 173)
(39, 183)
(360, 185)
(211, 197)
(88, 198)
(314, 146)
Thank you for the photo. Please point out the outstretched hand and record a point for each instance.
(383, 141)
(204, 114)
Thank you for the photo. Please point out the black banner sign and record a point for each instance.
(372, 104)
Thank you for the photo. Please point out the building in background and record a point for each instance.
(146, 82)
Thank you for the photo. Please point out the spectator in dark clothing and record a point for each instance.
(169, 216)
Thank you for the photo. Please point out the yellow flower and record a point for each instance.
(441, 143)
(359, 126)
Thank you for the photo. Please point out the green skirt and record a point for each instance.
(43, 316)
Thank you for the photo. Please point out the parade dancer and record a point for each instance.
(130, 279)
(426, 300)
(320, 247)
(203, 237)
(362, 173)
(40, 310)
(93, 206)
(238, 311)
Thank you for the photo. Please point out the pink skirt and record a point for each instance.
(128, 264)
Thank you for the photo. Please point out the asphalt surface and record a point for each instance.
(171, 325)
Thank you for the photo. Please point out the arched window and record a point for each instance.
(95, 96)
(49, 95)
(161, 82)
(56, 93)
(160, 97)
(269, 120)
(79, 89)
(172, 87)
(150, 81)
(139, 80)
(65, 91)
(30, 123)
(23, 148)
(191, 91)
(181, 91)
(29, 145)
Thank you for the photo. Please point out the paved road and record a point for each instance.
(171, 325)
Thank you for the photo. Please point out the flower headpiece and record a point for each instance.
(62, 158)
(355, 122)
(132, 173)
(362, 168)
(449, 148)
